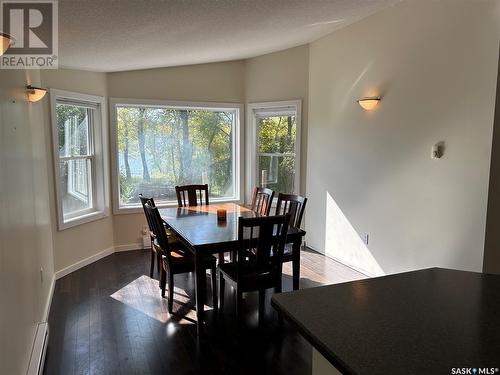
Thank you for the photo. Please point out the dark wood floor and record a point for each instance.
(109, 318)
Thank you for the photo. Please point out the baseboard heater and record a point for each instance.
(39, 349)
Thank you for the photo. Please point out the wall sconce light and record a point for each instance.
(35, 93)
(368, 103)
(6, 41)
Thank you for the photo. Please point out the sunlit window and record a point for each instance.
(161, 146)
(273, 161)
(79, 157)
(276, 152)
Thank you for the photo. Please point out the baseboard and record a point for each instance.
(354, 268)
(84, 262)
(128, 247)
(48, 303)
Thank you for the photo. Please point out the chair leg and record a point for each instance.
(163, 280)
(152, 268)
(222, 284)
(158, 262)
(239, 303)
(213, 273)
(262, 304)
(170, 292)
(278, 286)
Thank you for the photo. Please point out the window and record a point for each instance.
(159, 145)
(273, 159)
(79, 157)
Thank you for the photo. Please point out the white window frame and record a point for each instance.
(238, 150)
(98, 139)
(252, 173)
(75, 193)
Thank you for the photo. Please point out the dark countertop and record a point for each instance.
(421, 322)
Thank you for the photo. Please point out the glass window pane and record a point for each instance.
(75, 186)
(276, 134)
(73, 125)
(159, 148)
(277, 173)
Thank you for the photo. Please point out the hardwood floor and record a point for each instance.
(109, 318)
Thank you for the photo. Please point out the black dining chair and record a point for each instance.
(176, 260)
(294, 205)
(192, 195)
(264, 237)
(154, 254)
(262, 200)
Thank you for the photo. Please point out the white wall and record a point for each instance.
(435, 65)
(26, 229)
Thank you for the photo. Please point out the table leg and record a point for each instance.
(296, 263)
(200, 282)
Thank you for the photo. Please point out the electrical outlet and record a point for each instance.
(144, 230)
(365, 238)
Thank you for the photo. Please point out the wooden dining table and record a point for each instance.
(198, 228)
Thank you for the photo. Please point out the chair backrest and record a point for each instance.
(262, 200)
(265, 238)
(158, 229)
(192, 195)
(294, 205)
(151, 201)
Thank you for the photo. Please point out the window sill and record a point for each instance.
(83, 219)
(139, 210)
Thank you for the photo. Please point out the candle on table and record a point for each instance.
(221, 214)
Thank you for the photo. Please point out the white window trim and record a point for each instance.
(238, 168)
(251, 136)
(100, 174)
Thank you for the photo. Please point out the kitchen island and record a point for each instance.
(432, 321)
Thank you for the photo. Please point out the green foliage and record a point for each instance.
(66, 113)
(170, 159)
(277, 152)
(194, 146)
(277, 134)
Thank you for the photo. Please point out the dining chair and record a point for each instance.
(176, 260)
(294, 205)
(154, 253)
(192, 195)
(265, 237)
(262, 200)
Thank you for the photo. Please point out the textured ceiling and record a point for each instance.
(117, 35)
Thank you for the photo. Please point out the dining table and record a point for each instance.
(200, 230)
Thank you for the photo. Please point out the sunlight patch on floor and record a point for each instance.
(144, 295)
(316, 270)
